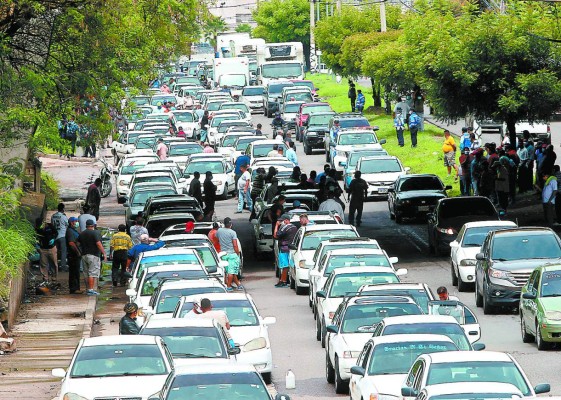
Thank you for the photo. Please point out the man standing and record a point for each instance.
(93, 198)
(72, 135)
(74, 255)
(449, 150)
(284, 233)
(332, 205)
(119, 246)
(352, 95)
(403, 106)
(46, 236)
(142, 247)
(137, 230)
(360, 101)
(195, 188)
(291, 153)
(212, 236)
(549, 192)
(162, 150)
(127, 324)
(277, 209)
(465, 141)
(399, 124)
(419, 105)
(228, 239)
(60, 223)
(243, 159)
(257, 186)
(464, 171)
(243, 190)
(62, 129)
(334, 131)
(92, 250)
(358, 191)
(414, 123)
(210, 195)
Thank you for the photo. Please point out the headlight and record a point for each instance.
(447, 231)
(553, 315)
(467, 262)
(255, 344)
(217, 183)
(351, 354)
(497, 273)
(73, 396)
(122, 182)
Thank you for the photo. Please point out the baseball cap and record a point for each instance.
(296, 203)
(72, 219)
(284, 216)
(90, 222)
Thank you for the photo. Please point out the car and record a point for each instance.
(192, 341)
(467, 366)
(241, 145)
(227, 143)
(347, 141)
(212, 128)
(312, 132)
(345, 282)
(299, 94)
(307, 198)
(247, 327)
(261, 148)
(540, 307)
(306, 240)
(124, 144)
(236, 106)
(135, 203)
(158, 223)
(419, 292)
(342, 258)
(211, 259)
(385, 361)
(461, 313)
(289, 112)
(434, 324)
(175, 203)
(466, 246)
(466, 391)
(116, 367)
(253, 97)
(179, 152)
(271, 96)
(226, 126)
(352, 327)
(352, 160)
(415, 195)
(304, 113)
(222, 174)
(450, 214)
(506, 261)
(155, 178)
(380, 173)
(347, 121)
(212, 381)
(127, 167)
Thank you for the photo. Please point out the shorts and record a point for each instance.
(92, 265)
(450, 159)
(284, 260)
(233, 267)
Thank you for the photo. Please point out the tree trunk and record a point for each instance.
(511, 129)
(376, 89)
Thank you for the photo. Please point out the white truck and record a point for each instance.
(231, 73)
(248, 48)
(280, 61)
(226, 43)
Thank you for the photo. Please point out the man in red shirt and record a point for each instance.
(213, 238)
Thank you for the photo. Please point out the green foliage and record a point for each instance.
(18, 236)
(212, 28)
(244, 28)
(283, 21)
(50, 188)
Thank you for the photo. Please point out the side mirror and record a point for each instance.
(542, 388)
(269, 321)
(292, 247)
(234, 351)
(321, 294)
(407, 169)
(454, 244)
(401, 272)
(58, 372)
(121, 200)
(331, 328)
(383, 141)
(478, 346)
(130, 292)
(394, 260)
(407, 391)
(356, 370)
(480, 256)
(448, 187)
(529, 296)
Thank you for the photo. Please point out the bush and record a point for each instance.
(50, 188)
(16, 243)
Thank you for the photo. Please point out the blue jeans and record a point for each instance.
(399, 132)
(244, 196)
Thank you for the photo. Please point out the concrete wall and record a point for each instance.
(17, 292)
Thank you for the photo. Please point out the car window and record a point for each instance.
(312, 239)
(412, 373)
(376, 166)
(353, 122)
(361, 318)
(551, 284)
(168, 298)
(468, 206)
(525, 246)
(239, 312)
(153, 279)
(357, 260)
(356, 139)
(420, 183)
(453, 331)
(216, 167)
(344, 284)
(190, 342)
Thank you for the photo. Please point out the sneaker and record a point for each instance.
(240, 287)
(91, 292)
(281, 284)
(229, 289)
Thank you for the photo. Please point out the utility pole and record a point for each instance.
(338, 5)
(313, 56)
(383, 26)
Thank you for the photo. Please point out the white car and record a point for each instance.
(467, 366)
(353, 324)
(344, 282)
(384, 363)
(236, 106)
(242, 143)
(247, 327)
(380, 173)
(261, 148)
(212, 128)
(341, 258)
(289, 113)
(227, 144)
(152, 177)
(467, 391)
(115, 367)
(192, 341)
(189, 121)
(253, 97)
(349, 140)
(227, 125)
(128, 167)
(222, 173)
(124, 144)
(179, 152)
(306, 240)
(419, 292)
(465, 247)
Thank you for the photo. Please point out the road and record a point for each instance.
(293, 336)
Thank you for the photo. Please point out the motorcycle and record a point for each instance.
(105, 174)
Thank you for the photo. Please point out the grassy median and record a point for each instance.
(426, 158)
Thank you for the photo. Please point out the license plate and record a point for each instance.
(383, 190)
(423, 208)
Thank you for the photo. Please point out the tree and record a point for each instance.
(283, 21)
(212, 28)
(244, 28)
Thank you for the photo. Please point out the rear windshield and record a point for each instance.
(421, 183)
(249, 91)
(453, 331)
(353, 123)
(358, 260)
(153, 279)
(469, 206)
(361, 318)
(169, 298)
(313, 239)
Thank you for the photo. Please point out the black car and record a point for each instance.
(450, 214)
(272, 94)
(315, 128)
(172, 204)
(414, 196)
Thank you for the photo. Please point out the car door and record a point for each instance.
(414, 377)
(296, 243)
(315, 275)
(531, 305)
(359, 385)
(454, 247)
(480, 266)
(463, 315)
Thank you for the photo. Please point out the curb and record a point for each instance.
(89, 317)
(64, 158)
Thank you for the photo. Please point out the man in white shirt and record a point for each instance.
(332, 205)
(204, 310)
(274, 152)
(162, 150)
(84, 217)
(60, 222)
(243, 189)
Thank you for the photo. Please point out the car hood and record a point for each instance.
(119, 386)
(550, 303)
(517, 265)
(356, 341)
(253, 98)
(388, 384)
(358, 146)
(225, 150)
(382, 176)
(412, 194)
(469, 253)
(244, 334)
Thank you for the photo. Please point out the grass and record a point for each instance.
(426, 158)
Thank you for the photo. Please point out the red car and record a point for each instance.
(305, 110)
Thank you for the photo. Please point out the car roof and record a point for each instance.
(357, 251)
(321, 112)
(459, 356)
(192, 236)
(175, 267)
(550, 267)
(327, 227)
(189, 283)
(404, 338)
(179, 323)
(193, 144)
(480, 224)
(220, 296)
(378, 299)
(470, 388)
(168, 251)
(377, 158)
(168, 215)
(268, 141)
(524, 231)
(119, 339)
(352, 270)
(419, 319)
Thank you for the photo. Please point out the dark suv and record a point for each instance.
(314, 130)
(272, 94)
(176, 203)
(450, 214)
(506, 261)
(350, 121)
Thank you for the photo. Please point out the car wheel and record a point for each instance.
(323, 333)
(526, 337)
(487, 308)
(292, 283)
(392, 215)
(454, 276)
(267, 377)
(329, 370)
(341, 386)
(462, 286)
(542, 345)
(398, 218)
(478, 297)
(301, 290)
(318, 327)
(307, 150)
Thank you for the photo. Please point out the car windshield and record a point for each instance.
(525, 246)
(397, 358)
(478, 371)
(133, 167)
(291, 108)
(140, 198)
(218, 119)
(319, 120)
(419, 296)
(353, 123)
(312, 239)
(188, 79)
(145, 143)
(362, 318)
(224, 126)
(356, 155)
(347, 139)
(140, 101)
(216, 167)
(155, 261)
(551, 284)
(231, 386)
(239, 312)
(284, 70)
(185, 117)
(169, 298)
(474, 237)
(154, 179)
(261, 150)
(232, 80)
(185, 149)
(186, 242)
(453, 331)
(299, 96)
(420, 183)
(307, 84)
(215, 105)
(379, 166)
(131, 138)
(476, 396)
(241, 144)
(468, 206)
(357, 260)
(253, 91)
(153, 279)
(118, 360)
(344, 284)
(235, 106)
(330, 247)
(190, 342)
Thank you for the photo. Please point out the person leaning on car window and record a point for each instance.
(127, 324)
